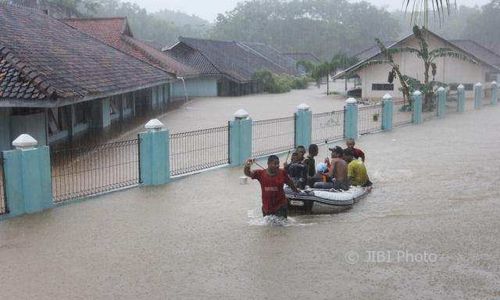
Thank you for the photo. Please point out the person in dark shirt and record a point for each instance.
(297, 171)
(310, 162)
(271, 182)
(357, 152)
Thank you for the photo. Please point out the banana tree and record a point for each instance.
(421, 8)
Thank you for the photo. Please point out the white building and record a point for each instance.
(373, 78)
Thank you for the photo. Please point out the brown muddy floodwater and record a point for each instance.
(429, 230)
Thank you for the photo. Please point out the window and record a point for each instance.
(382, 87)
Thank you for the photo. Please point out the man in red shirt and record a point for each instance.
(357, 152)
(271, 182)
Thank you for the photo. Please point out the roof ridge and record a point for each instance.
(92, 19)
(32, 75)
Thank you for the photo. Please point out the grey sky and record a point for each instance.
(209, 9)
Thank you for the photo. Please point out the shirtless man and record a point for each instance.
(338, 169)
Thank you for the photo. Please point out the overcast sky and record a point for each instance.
(208, 9)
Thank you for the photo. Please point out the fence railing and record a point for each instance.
(429, 109)
(327, 127)
(3, 205)
(272, 136)
(402, 114)
(89, 171)
(370, 118)
(197, 150)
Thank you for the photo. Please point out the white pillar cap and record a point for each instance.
(417, 93)
(460, 87)
(387, 97)
(24, 142)
(303, 106)
(441, 89)
(478, 84)
(493, 83)
(351, 101)
(241, 114)
(154, 124)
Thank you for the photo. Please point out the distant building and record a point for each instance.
(230, 65)
(57, 82)
(453, 71)
(303, 56)
(116, 32)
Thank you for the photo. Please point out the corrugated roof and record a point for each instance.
(229, 58)
(479, 51)
(59, 58)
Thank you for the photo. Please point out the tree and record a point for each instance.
(421, 8)
(483, 26)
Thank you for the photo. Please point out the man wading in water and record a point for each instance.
(271, 181)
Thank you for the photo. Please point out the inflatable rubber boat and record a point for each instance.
(308, 196)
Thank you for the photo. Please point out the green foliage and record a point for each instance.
(322, 27)
(483, 26)
(275, 84)
(421, 8)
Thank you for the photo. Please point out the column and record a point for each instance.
(303, 125)
(154, 154)
(240, 138)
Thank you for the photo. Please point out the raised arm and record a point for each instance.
(246, 169)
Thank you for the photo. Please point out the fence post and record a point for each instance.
(441, 109)
(28, 181)
(478, 95)
(416, 109)
(154, 154)
(461, 98)
(387, 112)
(351, 119)
(494, 90)
(303, 125)
(240, 135)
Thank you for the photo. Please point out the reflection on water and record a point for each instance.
(256, 219)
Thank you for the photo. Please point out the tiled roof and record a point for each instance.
(66, 62)
(273, 55)
(305, 56)
(193, 58)
(15, 83)
(116, 33)
(230, 58)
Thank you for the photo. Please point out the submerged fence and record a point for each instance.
(370, 118)
(327, 127)
(3, 206)
(89, 171)
(272, 136)
(197, 150)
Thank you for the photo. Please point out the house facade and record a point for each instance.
(57, 82)
(373, 78)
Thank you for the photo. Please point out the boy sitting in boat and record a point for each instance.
(338, 169)
(297, 171)
(356, 170)
(357, 153)
(271, 182)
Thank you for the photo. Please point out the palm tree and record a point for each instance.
(421, 8)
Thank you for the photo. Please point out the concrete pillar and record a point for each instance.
(387, 112)
(28, 181)
(478, 95)
(101, 113)
(303, 125)
(416, 108)
(154, 154)
(441, 105)
(240, 138)
(461, 98)
(494, 91)
(351, 119)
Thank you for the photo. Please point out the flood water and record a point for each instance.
(429, 230)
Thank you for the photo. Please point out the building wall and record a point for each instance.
(34, 124)
(5, 129)
(195, 87)
(449, 70)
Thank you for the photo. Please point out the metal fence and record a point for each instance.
(273, 136)
(429, 109)
(370, 118)
(89, 171)
(327, 127)
(452, 102)
(197, 150)
(402, 113)
(3, 206)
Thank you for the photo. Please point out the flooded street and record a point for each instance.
(428, 230)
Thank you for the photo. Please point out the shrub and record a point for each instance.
(275, 84)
